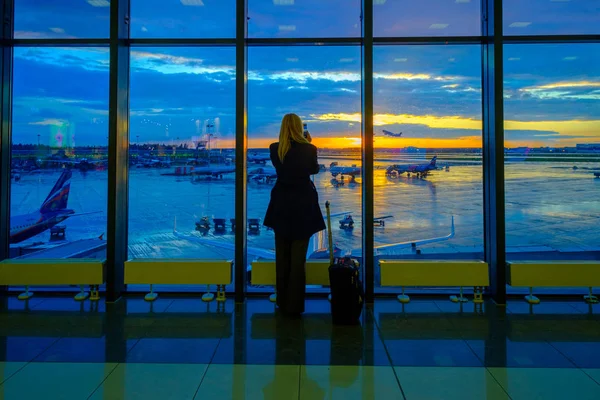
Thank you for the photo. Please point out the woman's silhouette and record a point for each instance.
(293, 213)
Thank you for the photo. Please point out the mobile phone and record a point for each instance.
(305, 126)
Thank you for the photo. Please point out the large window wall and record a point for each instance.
(58, 166)
(304, 19)
(554, 17)
(34, 19)
(426, 18)
(552, 150)
(322, 85)
(181, 152)
(209, 81)
(428, 142)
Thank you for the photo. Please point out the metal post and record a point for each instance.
(5, 131)
(241, 150)
(367, 151)
(118, 149)
(493, 148)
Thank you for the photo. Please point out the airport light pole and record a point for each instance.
(209, 134)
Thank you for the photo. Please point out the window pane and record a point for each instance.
(428, 140)
(304, 18)
(70, 19)
(322, 85)
(396, 18)
(183, 18)
(59, 152)
(182, 140)
(551, 17)
(552, 150)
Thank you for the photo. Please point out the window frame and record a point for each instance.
(491, 39)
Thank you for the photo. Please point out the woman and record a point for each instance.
(293, 213)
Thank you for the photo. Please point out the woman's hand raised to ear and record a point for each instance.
(308, 137)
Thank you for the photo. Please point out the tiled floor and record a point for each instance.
(185, 349)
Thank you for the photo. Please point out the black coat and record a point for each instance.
(294, 210)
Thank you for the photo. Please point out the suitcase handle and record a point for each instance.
(329, 234)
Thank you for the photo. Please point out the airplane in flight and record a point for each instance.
(53, 211)
(420, 170)
(391, 134)
(317, 248)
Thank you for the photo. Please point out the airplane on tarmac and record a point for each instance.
(317, 248)
(391, 134)
(53, 211)
(152, 163)
(345, 171)
(418, 169)
(262, 174)
(213, 171)
(259, 158)
(82, 164)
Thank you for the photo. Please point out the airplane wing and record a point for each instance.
(414, 243)
(254, 251)
(340, 214)
(317, 242)
(85, 213)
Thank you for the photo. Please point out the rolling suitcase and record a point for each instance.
(347, 295)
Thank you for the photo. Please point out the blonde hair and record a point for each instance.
(291, 130)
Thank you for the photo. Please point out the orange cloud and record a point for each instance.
(569, 132)
(563, 85)
(454, 122)
(49, 121)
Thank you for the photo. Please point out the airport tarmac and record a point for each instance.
(549, 207)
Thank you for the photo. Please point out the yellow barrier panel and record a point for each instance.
(554, 274)
(68, 271)
(180, 271)
(74, 271)
(317, 273)
(264, 273)
(435, 273)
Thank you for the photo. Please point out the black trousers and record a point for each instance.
(290, 267)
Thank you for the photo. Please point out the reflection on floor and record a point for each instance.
(185, 349)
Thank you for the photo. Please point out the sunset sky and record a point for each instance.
(431, 93)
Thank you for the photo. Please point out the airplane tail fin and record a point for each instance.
(58, 197)
(433, 161)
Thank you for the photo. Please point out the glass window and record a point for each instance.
(552, 150)
(304, 18)
(400, 18)
(59, 153)
(182, 148)
(183, 18)
(72, 19)
(428, 141)
(322, 85)
(551, 17)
